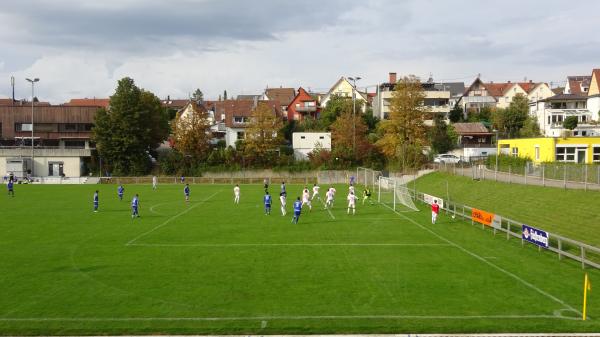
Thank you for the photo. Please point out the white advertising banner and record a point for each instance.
(430, 199)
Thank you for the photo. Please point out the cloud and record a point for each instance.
(81, 48)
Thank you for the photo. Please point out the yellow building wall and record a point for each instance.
(594, 90)
(547, 147)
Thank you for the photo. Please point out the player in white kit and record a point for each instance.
(283, 203)
(154, 182)
(236, 194)
(328, 199)
(306, 199)
(351, 189)
(352, 203)
(315, 192)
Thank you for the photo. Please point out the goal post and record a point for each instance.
(395, 195)
(368, 178)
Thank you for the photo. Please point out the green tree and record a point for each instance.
(456, 114)
(224, 95)
(511, 120)
(135, 125)
(404, 134)
(263, 134)
(531, 128)
(439, 136)
(370, 120)
(336, 106)
(570, 123)
(198, 96)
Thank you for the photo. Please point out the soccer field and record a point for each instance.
(212, 267)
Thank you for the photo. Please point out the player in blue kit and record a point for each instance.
(267, 201)
(10, 187)
(96, 201)
(297, 210)
(135, 204)
(186, 191)
(120, 191)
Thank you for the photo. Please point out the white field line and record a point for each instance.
(166, 222)
(502, 270)
(291, 244)
(267, 318)
(151, 209)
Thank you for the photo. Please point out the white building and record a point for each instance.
(306, 142)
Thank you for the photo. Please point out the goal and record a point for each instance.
(395, 195)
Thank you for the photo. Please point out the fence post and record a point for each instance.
(394, 191)
(543, 175)
(585, 170)
(525, 173)
(509, 173)
(565, 176)
(379, 191)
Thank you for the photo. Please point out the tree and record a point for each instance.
(134, 126)
(191, 134)
(198, 96)
(404, 134)
(343, 140)
(512, 119)
(370, 120)
(263, 134)
(439, 136)
(336, 106)
(224, 95)
(531, 128)
(570, 123)
(456, 114)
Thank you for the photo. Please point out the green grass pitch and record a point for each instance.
(212, 267)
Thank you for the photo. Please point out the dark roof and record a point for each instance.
(471, 129)
(564, 97)
(247, 97)
(558, 90)
(283, 95)
(455, 88)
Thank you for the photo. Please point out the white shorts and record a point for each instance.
(433, 216)
(351, 205)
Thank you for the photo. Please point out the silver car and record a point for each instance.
(446, 158)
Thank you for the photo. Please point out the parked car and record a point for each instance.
(446, 158)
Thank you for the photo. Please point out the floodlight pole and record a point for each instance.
(497, 154)
(354, 80)
(32, 105)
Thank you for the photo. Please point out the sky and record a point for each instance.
(82, 48)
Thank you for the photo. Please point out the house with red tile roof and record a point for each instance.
(283, 95)
(501, 94)
(303, 105)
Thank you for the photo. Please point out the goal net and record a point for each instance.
(368, 178)
(395, 195)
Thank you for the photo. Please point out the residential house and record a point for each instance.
(437, 96)
(474, 140)
(302, 105)
(580, 98)
(551, 149)
(304, 143)
(593, 101)
(217, 123)
(344, 88)
(236, 115)
(61, 136)
(244, 97)
(500, 95)
(283, 95)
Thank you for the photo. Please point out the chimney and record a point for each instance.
(530, 81)
(393, 79)
(508, 81)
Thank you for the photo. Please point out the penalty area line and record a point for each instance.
(166, 222)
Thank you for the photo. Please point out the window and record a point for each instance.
(75, 144)
(68, 127)
(45, 127)
(565, 154)
(584, 133)
(240, 119)
(549, 120)
(537, 153)
(596, 154)
(515, 151)
(302, 137)
(583, 118)
(321, 137)
(241, 135)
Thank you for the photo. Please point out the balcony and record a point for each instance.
(306, 109)
(16, 151)
(569, 112)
